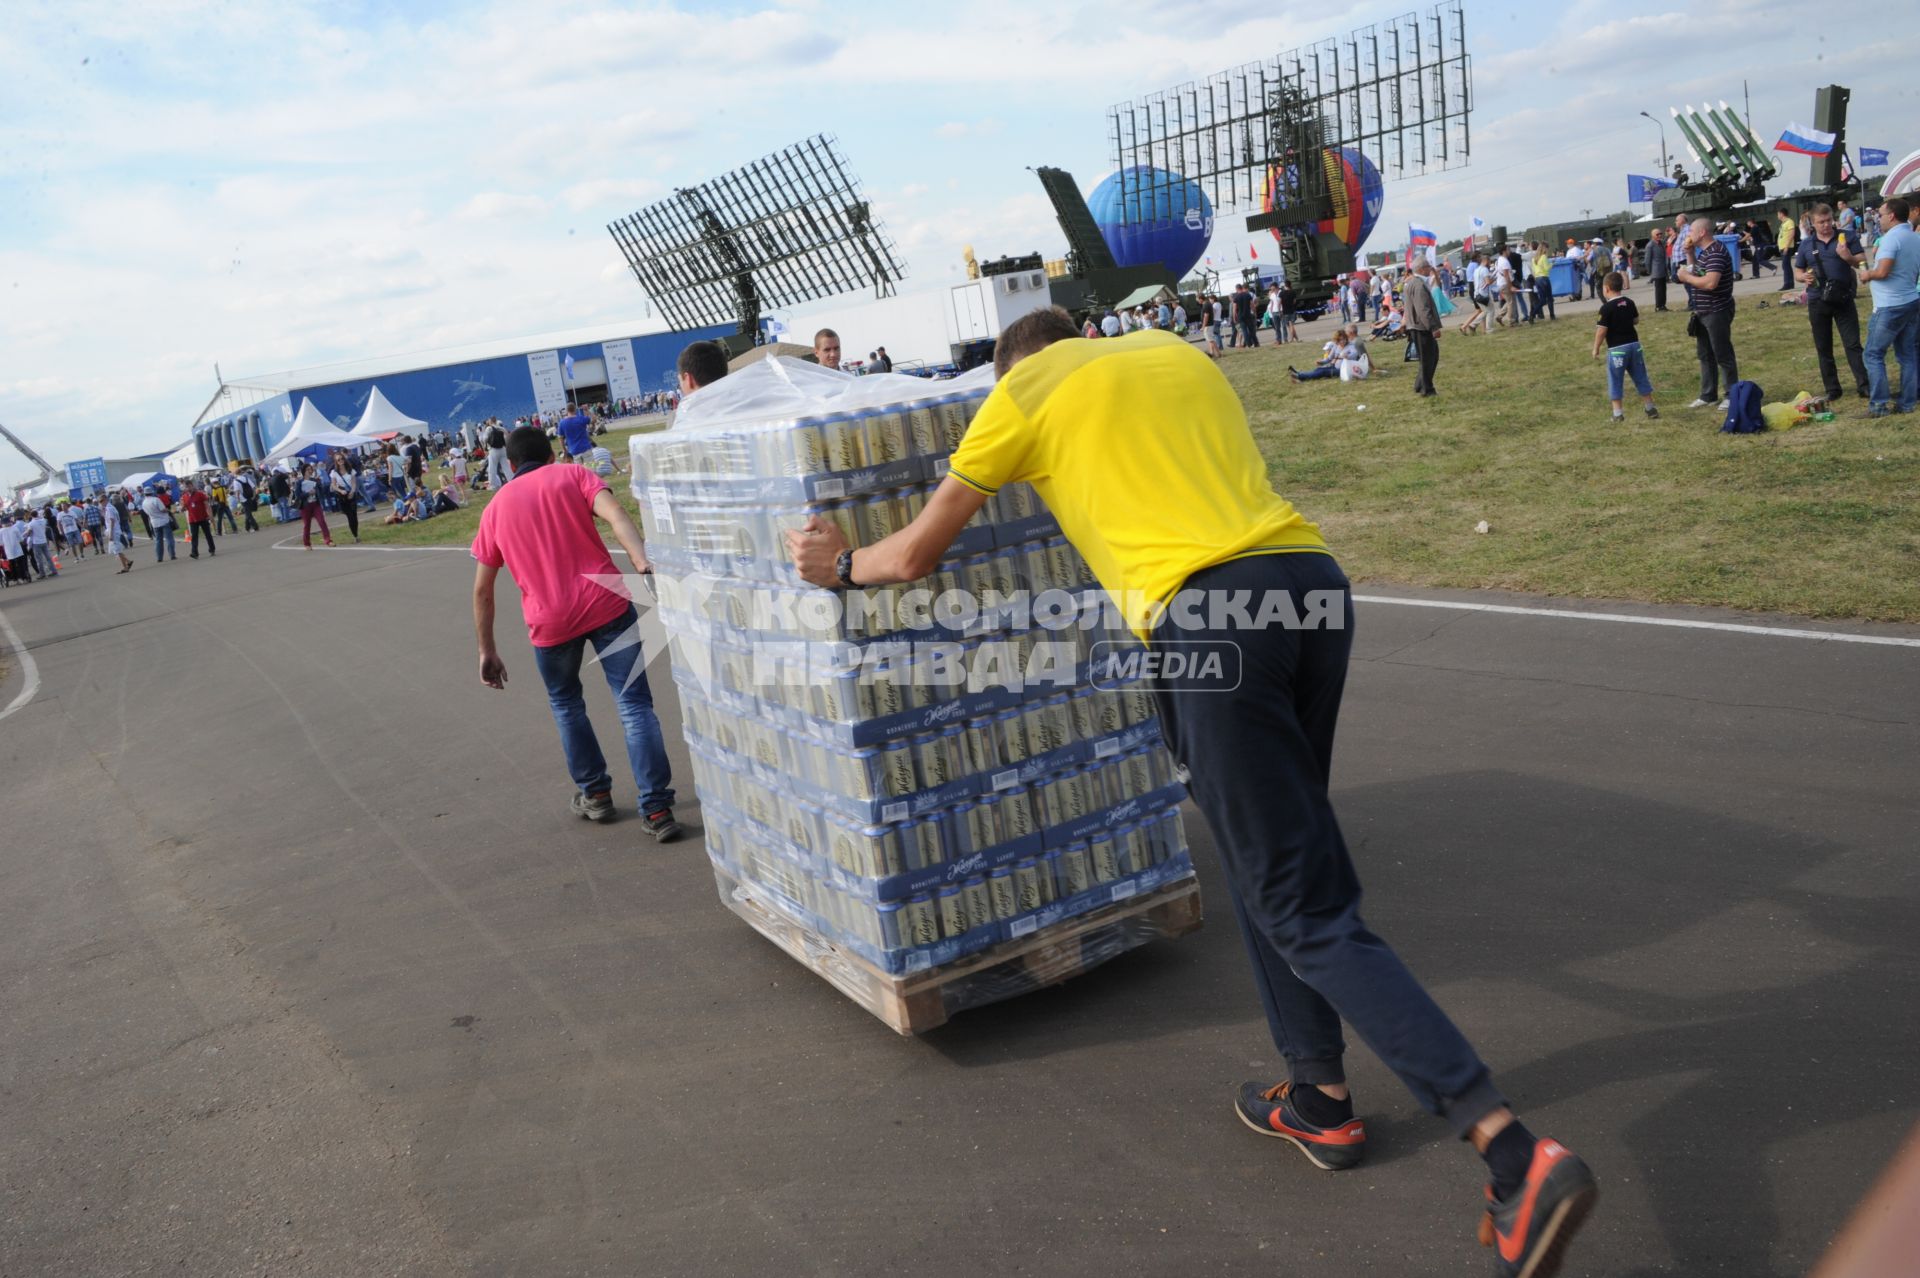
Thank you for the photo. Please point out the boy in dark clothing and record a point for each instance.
(1619, 335)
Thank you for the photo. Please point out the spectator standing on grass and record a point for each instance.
(1827, 258)
(1895, 325)
(1084, 423)
(249, 489)
(280, 489)
(576, 434)
(1658, 268)
(1708, 275)
(1423, 324)
(1786, 239)
(541, 529)
(1618, 335)
(457, 462)
(220, 496)
(496, 441)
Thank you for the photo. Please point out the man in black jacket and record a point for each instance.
(1658, 267)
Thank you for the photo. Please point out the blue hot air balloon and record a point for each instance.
(1150, 217)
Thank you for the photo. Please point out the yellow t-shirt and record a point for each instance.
(1140, 448)
(1783, 238)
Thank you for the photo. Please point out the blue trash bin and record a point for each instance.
(1733, 251)
(1560, 276)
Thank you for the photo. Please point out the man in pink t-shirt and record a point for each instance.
(541, 528)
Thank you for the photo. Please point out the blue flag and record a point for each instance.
(1872, 158)
(1641, 189)
(569, 363)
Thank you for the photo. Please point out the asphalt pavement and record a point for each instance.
(305, 968)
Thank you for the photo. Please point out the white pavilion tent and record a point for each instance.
(311, 430)
(382, 420)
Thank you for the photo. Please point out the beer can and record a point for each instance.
(1003, 575)
(1016, 813)
(1010, 736)
(1017, 501)
(1001, 891)
(912, 502)
(1062, 563)
(1034, 724)
(875, 851)
(881, 513)
(924, 431)
(1135, 775)
(1026, 885)
(1053, 880)
(921, 923)
(1036, 570)
(860, 773)
(960, 828)
(886, 438)
(979, 901)
(955, 736)
(923, 843)
(953, 424)
(844, 448)
(1138, 699)
(843, 697)
(1139, 844)
(978, 753)
(934, 755)
(887, 916)
(803, 827)
(952, 904)
(1057, 721)
(1108, 714)
(983, 823)
(897, 771)
(884, 691)
(1075, 869)
(1104, 848)
(1086, 725)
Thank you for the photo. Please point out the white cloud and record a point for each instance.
(490, 204)
(613, 196)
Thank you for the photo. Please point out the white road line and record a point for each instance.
(1777, 632)
(27, 668)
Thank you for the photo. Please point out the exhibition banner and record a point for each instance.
(549, 392)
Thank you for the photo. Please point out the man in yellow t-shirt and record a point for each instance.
(1140, 448)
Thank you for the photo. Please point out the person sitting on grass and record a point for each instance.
(1390, 323)
(1618, 333)
(1341, 350)
(401, 514)
(447, 499)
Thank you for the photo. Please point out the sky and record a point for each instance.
(273, 185)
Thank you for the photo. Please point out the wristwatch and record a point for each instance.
(843, 569)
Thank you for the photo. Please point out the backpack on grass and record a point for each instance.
(1743, 410)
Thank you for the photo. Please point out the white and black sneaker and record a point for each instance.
(1701, 403)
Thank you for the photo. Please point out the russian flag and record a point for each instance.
(1799, 141)
(1418, 237)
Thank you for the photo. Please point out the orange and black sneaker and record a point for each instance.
(1530, 1231)
(1272, 1111)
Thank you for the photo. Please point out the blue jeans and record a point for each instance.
(163, 543)
(1895, 328)
(1319, 371)
(1259, 760)
(559, 667)
(1623, 362)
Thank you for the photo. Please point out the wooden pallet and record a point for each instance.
(922, 1001)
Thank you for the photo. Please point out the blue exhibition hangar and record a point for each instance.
(248, 416)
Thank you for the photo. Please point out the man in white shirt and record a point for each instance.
(13, 548)
(162, 520)
(1503, 289)
(37, 547)
(1110, 325)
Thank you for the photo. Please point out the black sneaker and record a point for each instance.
(1271, 1112)
(661, 825)
(1530, 1231)
(593, 807)
(1653, 414)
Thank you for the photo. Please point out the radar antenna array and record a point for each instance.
(786, 229)
(1398, 92)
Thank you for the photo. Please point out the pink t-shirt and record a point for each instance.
(540, 528)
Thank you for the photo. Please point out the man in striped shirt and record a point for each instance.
(1707, 271)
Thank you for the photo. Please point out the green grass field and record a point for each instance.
(458, 529)
(1820, 520)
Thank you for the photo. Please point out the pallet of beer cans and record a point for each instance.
(924, 791)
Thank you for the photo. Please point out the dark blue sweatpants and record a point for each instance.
(1259, 757)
